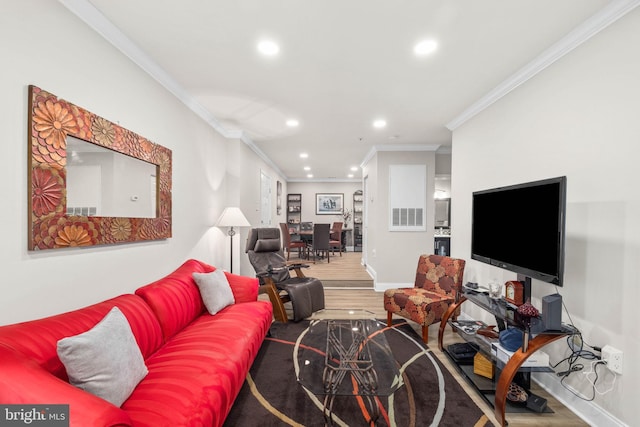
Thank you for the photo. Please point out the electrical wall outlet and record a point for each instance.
(613, 357)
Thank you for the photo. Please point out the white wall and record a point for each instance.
(309, 190)
(577, 118)
(45, 45)
(246, 168)
(392, 256)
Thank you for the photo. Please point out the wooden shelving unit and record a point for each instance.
(357, 220)
(294, 212)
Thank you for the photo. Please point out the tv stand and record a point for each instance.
(505, 313)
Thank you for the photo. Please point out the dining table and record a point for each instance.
(307, 237)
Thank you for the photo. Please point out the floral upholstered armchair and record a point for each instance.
(438, 283)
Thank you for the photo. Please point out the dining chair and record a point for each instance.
(335, 239)
(320, 243)
(288, 243)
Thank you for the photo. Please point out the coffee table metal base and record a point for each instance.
(357, 361)
(349, 355)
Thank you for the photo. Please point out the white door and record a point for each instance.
(265, 200)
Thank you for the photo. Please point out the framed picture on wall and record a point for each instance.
(329, 203)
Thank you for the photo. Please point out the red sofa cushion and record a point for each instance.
(175, 299)
(37, 339)
(195, 377)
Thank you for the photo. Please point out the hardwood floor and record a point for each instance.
(340, 271)
(348, 267)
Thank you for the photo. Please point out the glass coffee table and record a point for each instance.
(347, 355)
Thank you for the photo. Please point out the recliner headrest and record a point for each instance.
(262, 234)
(267, 245)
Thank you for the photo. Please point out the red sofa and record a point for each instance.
(197, 362)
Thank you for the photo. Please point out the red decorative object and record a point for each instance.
(528, 310)
(51, 120)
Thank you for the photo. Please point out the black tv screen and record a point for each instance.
(521, 228)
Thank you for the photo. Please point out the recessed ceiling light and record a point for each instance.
(379, 123)
(303, 155)
(292, 123)
(354, 168)
(350, 175)
(269, 48)
(309, 175)
(307, 168)
(425, 47)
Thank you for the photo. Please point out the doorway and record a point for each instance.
(265, 200)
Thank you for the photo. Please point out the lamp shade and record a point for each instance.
(232, 217)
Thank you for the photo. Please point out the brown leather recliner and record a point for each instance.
(306, 294)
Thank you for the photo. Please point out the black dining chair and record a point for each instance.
(321, 241)
(306, 234)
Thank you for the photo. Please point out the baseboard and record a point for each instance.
(371, 272)
(588, 411)
(381, 287)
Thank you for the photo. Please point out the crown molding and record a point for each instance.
(583, 32)
(249, 142)
(88, 13)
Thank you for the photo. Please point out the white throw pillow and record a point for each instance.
(106, 360)
(215, 290)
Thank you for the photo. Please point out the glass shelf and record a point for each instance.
(508, 313)
(484, 345)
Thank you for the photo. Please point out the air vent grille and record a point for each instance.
(407, 217)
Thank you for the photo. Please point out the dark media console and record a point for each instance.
(494, 391)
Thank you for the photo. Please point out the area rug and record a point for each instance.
(430, 396)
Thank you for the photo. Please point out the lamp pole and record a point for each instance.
(231, 233)
(232, 217)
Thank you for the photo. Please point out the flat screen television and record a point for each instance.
(521, 228)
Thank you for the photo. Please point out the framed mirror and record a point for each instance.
(91, 181)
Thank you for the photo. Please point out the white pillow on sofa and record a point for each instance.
(106, 360)
(215, 290)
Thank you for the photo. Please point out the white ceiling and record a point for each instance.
(342, 64)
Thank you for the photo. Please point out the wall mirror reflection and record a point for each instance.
(103, 182)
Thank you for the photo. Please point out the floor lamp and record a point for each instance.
(232, 217)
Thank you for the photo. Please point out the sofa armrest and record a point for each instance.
(22, 381)
(245, 289)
